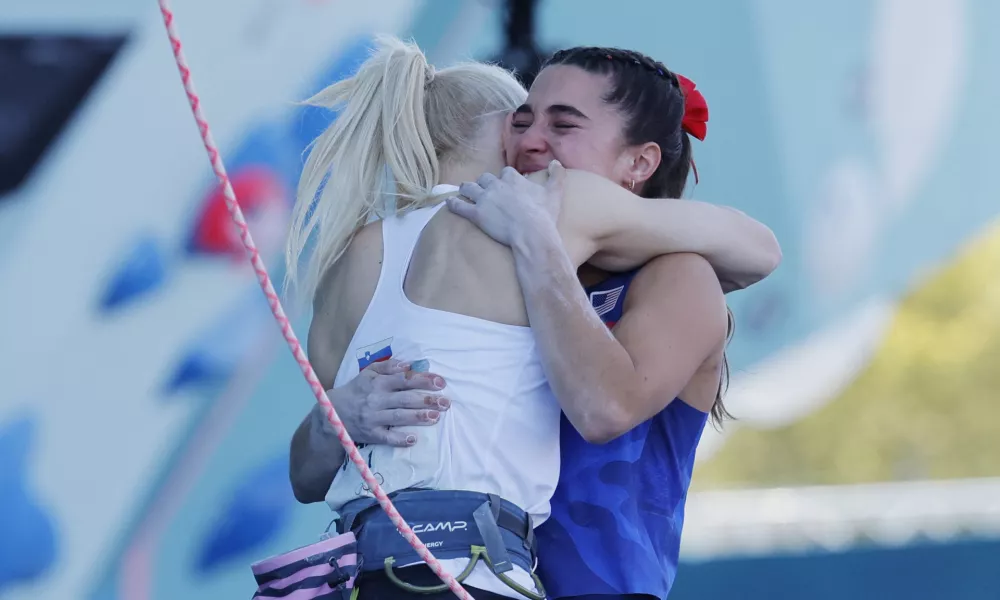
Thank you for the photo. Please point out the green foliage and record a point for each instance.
(927, 407)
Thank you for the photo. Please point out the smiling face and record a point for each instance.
(617, 113)
(567, 119)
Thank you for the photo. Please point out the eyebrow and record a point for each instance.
(555, 109)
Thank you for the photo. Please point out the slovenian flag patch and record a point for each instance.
(373, 353)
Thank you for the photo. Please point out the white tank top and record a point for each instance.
(501, 434)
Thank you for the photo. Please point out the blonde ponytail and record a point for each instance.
(398, 120)
(380, 138)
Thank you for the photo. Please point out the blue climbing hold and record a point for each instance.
(256, 512)
(144, 270)
(213, 356)
(27, 534)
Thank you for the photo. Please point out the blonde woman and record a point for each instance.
(425, 286)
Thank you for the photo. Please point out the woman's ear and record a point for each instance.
(645, 160)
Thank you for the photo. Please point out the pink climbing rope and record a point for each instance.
(279, 314)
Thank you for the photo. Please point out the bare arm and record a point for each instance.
(383, 395)
(674, 320)
(613, 229)
(314, 457)
(316, 453)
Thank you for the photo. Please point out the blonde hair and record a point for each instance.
(398, 121)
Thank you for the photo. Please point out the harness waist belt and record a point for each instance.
(450, 523)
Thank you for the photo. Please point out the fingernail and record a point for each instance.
(410, 440)
(405, 365)
(433, 415)
(444, 403)
(439, 382)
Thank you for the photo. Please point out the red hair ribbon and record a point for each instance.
(695, 109)
(695, 121)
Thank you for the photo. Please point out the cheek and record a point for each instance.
(585, 156)
(572, 154)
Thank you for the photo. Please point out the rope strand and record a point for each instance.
(279, 314)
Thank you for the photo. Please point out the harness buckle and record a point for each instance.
(339, 576)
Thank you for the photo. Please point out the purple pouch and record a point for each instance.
(319, 570)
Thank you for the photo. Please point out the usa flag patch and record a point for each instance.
(373, 353)
(605, 301)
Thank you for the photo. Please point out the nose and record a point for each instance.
(532, 140)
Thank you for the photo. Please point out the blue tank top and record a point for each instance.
(618, 510)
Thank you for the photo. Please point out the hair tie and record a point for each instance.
(695, 120)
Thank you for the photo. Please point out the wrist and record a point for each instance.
(538, 239)
(321, 425)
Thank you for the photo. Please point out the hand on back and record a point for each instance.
(386, 395)
(510, 206)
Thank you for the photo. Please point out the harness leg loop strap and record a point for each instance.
(486, 521)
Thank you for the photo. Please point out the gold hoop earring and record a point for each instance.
(631, 186)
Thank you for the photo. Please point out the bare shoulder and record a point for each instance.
(682, 273)
(682, 287)
(367, 239)
(539, 177)
(575, 175)
(576, 180)
(682, 293)
(361, 259)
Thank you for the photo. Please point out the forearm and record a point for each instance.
(613, 229)
(314, 458)
(590, 373)
(741, 250)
